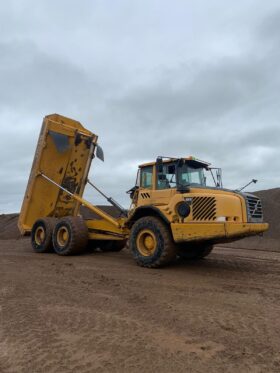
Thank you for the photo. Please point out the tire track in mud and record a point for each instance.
(3, 346)
(76, 335)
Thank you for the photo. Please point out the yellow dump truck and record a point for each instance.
(173, 212)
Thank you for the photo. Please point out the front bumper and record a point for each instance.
(216, 232)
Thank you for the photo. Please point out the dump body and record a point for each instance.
(64, 153)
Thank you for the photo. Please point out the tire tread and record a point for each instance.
(168, 253)
(78, 237)
(49, 225)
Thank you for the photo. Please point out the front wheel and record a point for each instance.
(70, 236)
(151, 243)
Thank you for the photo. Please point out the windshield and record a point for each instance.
(190, 176)
(172, 175)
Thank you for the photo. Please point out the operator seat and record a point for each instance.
(163, 182)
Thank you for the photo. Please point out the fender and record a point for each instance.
(146, 211)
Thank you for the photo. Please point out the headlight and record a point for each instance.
(183, 209)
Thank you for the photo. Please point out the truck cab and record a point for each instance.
(175, 191)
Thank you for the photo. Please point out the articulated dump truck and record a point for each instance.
(173, 212)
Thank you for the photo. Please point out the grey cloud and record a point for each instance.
(149, 79)
(269, 28)
(36, 81)
(225, 113)
(213, 91)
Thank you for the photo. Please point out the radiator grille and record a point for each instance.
(204, 208)
(254, 209)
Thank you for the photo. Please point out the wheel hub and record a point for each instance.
(40, 235)
(146, 242)
(62, 236)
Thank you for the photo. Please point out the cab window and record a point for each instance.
(147, 177)
(167, 177)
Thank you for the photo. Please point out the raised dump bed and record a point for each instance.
(64, 153)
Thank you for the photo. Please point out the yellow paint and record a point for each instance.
(39, 235)
(100, 229)
(219, 231)
(62, 236)
(146, 242)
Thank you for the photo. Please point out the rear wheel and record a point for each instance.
(195, 252)
(151, 243)
(70, 236)
(41, 235)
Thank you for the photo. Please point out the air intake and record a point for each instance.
(204, 208)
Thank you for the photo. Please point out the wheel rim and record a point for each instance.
(40, 235)
(146, 242)
(62, 236)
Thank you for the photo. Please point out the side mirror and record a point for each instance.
(99, 153)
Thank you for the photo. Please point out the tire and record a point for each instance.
(195, 252)
(70, 236)
(115, 246)
(41, 235)
(151, 243)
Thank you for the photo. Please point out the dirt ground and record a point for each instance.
(100, 312)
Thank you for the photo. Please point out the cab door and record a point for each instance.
(164, 183)
(146, 185)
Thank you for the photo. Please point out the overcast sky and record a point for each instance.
(150, 78)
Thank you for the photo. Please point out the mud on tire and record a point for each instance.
(70, 236)
(151, 232)
(41, 235)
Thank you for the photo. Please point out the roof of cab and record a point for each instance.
(168, 160)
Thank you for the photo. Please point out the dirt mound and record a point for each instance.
(9, 229)
(111, 210)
